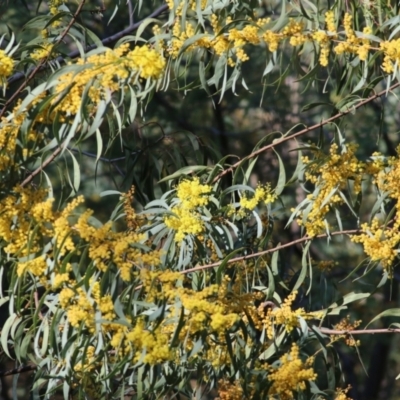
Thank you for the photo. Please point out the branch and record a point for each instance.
(15, 371)
(305, 130)
(55, 153)
(328, 331)
(261, 253)
(42, 62)
(113, 38)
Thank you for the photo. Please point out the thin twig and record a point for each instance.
(328, 331)
(15, 371)
(55, 153)
(261, 253)
(305, 130)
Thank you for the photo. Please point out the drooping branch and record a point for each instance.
(305, 130)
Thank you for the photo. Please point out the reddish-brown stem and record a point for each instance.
(42, 166)
(261, 253)
(305, 130)
(328, 331)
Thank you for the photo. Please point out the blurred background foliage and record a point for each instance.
(178, 123)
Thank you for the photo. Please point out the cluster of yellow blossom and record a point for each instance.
(229, 391)
(9, 129)
(381, 241)
(104, 71)
(81, 305)
(341, 394)
(329, 178)
(19, 234)
(233, 41)
(150, 347)
(326, 265)
(6, 65)
(346, 325)
(261, 194)
(189, 4)
(133, 221)
(53, 6)
(42, 52)
(353, 44)
(28, 219)
(284, 315)
(391, 51)
(107, 246)
(54, 9)
(186, 219)
(291, 375)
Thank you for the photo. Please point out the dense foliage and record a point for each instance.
(176, 281)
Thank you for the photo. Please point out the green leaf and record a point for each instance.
(224, 263)
(304, 265)
(335, 308)
(282, 176)
(392, 312)
(185, 171)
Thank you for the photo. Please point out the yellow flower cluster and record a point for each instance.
(6, 65)
(285, 316)
(150, 347)
(190, 5)
(204, 309)
(37, 266)
(82, 304)
(232, 42)
(9, 130)
(17, 232)
(262, 193)
(326, 265)
(107, 246)
(54, 10)
(186, 219)
(192, 193)
(104, 72)
(28, 219)
(133, 221)
(341, 394)
(292, 375)
(329, 177)
(148, 62)
(229, 391)
(294, 31)
(346, 325)
(391, 51)
(353, 44)
(53, 6)
(88, 363)
(381, 241)
(43, 52)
